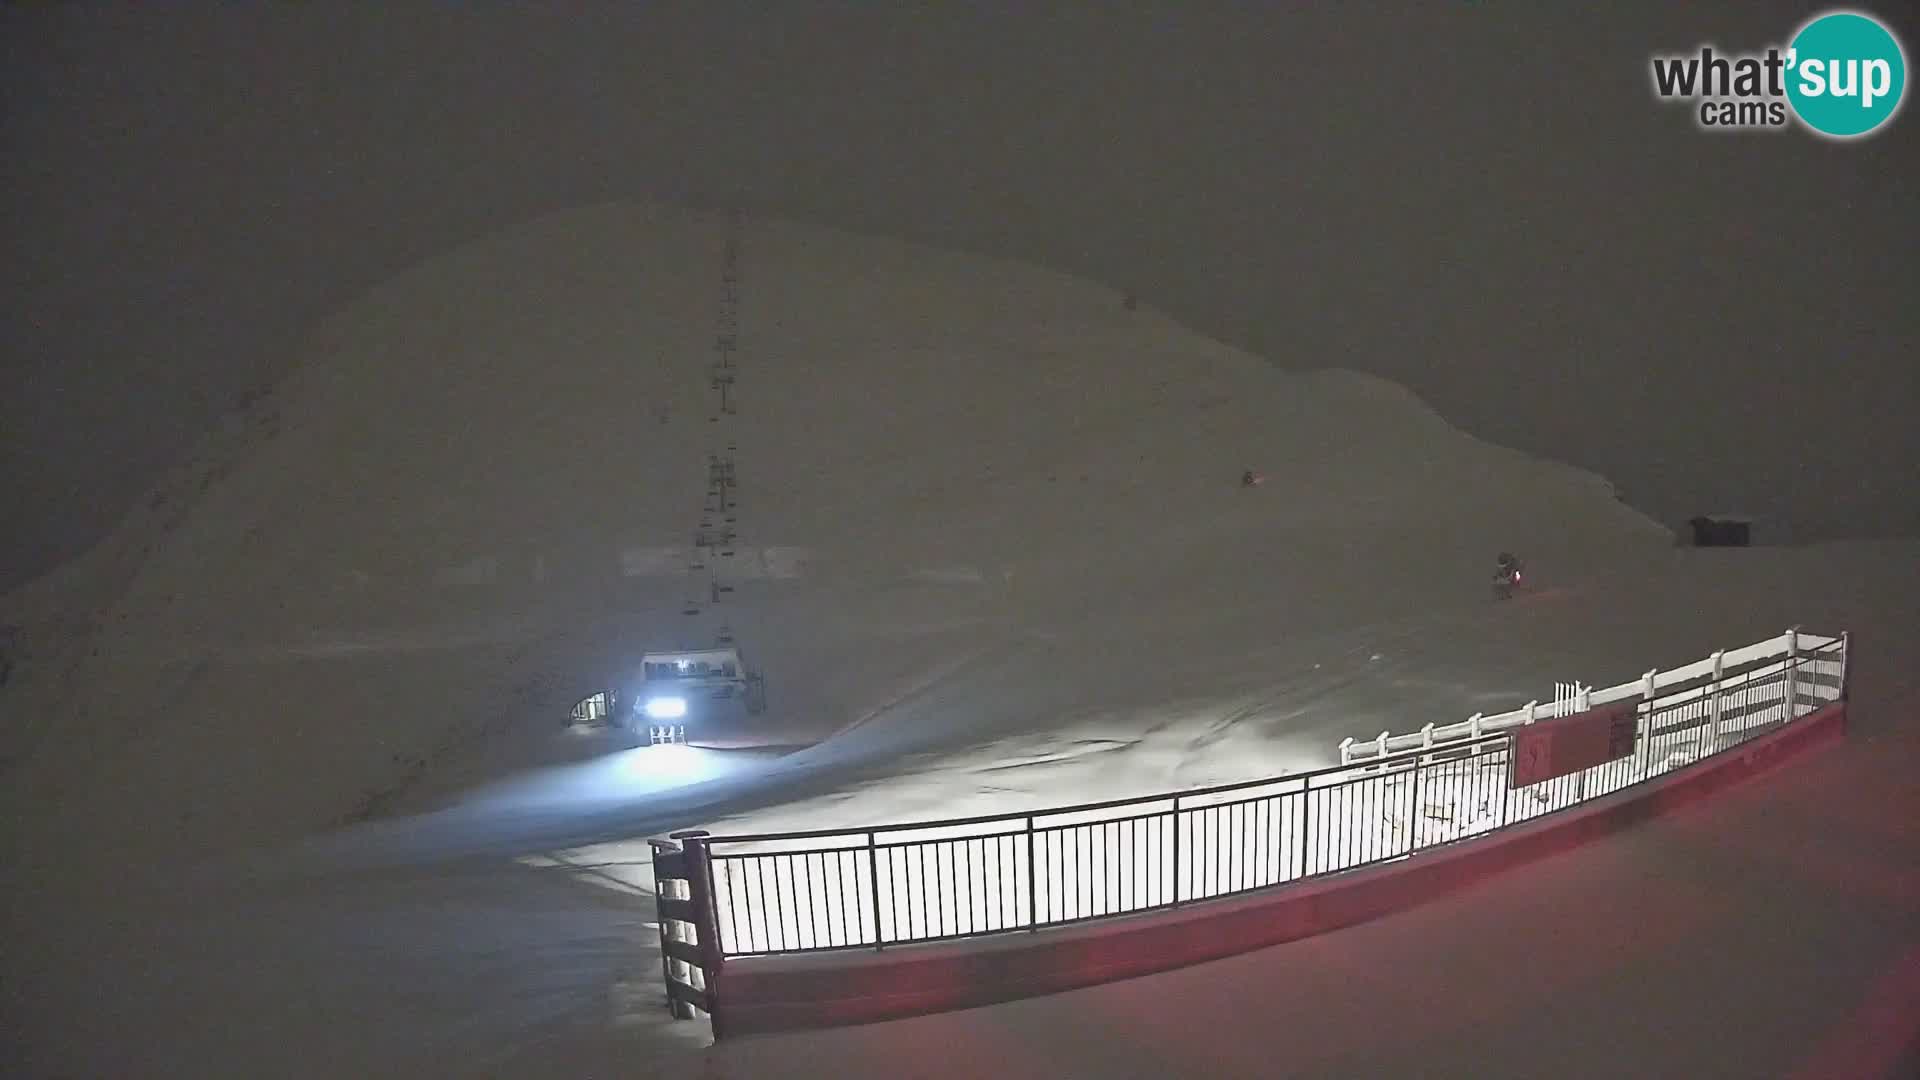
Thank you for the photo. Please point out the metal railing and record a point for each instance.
(893, 885)
(1570, 697)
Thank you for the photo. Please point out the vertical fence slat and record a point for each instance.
(873, 884)
(1174, 863)
(1033, 903)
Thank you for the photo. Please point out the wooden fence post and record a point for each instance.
(1713, 710)
(669, 867)
(1846, 648)
(706, 920)
(1648, 689)
(1789, 703)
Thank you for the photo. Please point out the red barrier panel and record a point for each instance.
(1566, 745)
(777, 993)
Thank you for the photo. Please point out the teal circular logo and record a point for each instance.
(1846, 74)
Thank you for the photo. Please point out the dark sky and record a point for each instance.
(1479, 199)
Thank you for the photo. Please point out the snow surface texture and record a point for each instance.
(540, 399)
(995, 539)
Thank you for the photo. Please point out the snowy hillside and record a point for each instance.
(474, 500)
(992, 550)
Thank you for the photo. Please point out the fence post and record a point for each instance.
(666, 853)
(1845, 649)
(706, 924)
(1713, 710)
(1346, 750)
(1532, 710)
(873, 879)
(1033, 879)
(1473, 732)
(1503, 782)
(1647, 691)
(1176, 851)
(1413, 815)
(1305, 822)
(1790, 705)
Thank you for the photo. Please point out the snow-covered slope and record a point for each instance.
(992, 551)
(474, 500)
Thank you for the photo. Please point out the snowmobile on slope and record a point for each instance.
(1507, 575)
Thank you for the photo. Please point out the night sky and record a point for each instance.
(1481, 200)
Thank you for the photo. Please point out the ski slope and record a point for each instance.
(301, 712)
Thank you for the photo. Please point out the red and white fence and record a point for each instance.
(1391, 797)
(1774, 655)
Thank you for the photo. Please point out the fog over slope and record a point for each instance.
(1479, 201)
(991, 548)
(476, 501)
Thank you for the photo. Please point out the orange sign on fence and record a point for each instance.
(1568, 744)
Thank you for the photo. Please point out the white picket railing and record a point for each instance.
(1751, 660)
(885, 885)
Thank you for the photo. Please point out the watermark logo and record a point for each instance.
(1851, 74)
(1842, 76)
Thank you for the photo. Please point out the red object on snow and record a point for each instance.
(1566, 745)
